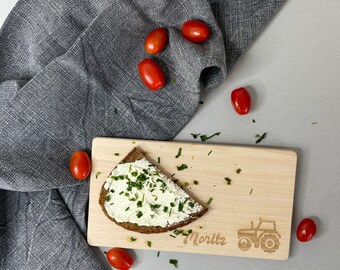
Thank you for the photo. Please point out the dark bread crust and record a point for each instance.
(134, 155)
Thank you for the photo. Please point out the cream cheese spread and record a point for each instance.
(139, 193)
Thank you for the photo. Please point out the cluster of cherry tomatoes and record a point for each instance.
(149, 71)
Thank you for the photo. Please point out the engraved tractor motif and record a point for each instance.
(264, 235)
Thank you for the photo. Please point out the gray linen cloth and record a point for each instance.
(68, 73)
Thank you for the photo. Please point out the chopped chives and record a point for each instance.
(132, 239)
(195, 135)
(173, 262)
(182, 167)
(228, 180)
(210, 200)
(180, 207)
(206, 137)
(177, 232)
(139, 204)
(260, 138)
(179, 152)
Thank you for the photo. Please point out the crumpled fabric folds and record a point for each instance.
(68, 74)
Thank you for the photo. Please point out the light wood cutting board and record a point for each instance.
(251, 217)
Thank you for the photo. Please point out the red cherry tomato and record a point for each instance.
(241, 100)
(306, 230)
(195, 31)
(151, 74)
(119, 258)
(80, 165)
(155, 41)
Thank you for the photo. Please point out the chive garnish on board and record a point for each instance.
(149, 243)
(196, 182)
(159, 160)
(179, 152)
(209, 152)
(97, 174)
(177, 232)
(228, 180)
(132, 239)
(210, 200)
(182, 167)
(117, 154)
(238, 170)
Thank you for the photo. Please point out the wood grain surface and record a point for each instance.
(251, 217)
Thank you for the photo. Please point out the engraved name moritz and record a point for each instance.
(197, 239)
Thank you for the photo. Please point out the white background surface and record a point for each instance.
(293, 73)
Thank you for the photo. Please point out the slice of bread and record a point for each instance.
(193, 209)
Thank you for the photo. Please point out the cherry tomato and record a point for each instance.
(119, 258)
(241, 101)
(151, 74)
(80, 165)
(306, 230)
(156, 41)
(195, 31)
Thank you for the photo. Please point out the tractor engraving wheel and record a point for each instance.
(244, 244)
(269, 243)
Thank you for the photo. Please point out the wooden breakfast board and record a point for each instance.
(262, 193)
